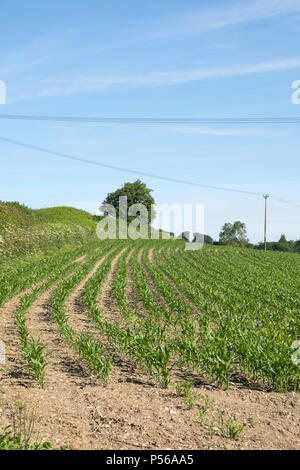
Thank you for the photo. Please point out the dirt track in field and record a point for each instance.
(107, 302)
(158, 297)
(132, 412)
(135, 304)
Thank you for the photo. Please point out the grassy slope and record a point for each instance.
(27, 232)
(64, 215)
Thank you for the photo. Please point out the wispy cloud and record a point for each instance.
(182, 129)
(221, 132)
(22, 66)
(62, 87)
(229, 14)
(47, 48)
(202, 20)
(38, 50)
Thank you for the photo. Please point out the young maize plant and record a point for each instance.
(23, 274)
(86, 346)
(225, 313)
(33, 350)
(238, 340)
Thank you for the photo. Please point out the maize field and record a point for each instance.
(225, 314)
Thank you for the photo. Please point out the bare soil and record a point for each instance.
(135, 304)
(107, 302)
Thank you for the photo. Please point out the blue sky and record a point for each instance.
(157, 59)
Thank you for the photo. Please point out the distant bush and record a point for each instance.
(282, 245)
(296, 247)
(207, 239)
(275, 246)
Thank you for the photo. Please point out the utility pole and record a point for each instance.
(265, 196)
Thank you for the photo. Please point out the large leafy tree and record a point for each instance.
(136, 193)
(234, 234)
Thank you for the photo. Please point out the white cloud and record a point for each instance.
(203, 20)
(60, 87)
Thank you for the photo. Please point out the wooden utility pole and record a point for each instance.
(265, 237)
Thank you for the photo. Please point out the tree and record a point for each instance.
(184, 236)
(136, 193)
(282, 239)
(234, 234)
(207, 239)
(296, 246)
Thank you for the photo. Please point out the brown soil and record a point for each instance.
(74, 308)
(132, 412)
(135, 304)
(108, 305)
(79, 260)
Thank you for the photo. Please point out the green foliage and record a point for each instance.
(29, 232)
(20, 435)
(207, 239)
(229, 427)
(202, 410)
(296, 246)
(64, 215)
(136, 193)
(242, 298)
(33, 350)
(86, 346)
(234, 234)
(190, 395)
(14, 213)
(282, 239)
(11, 441)
(221, 311)
(184, 236)
(282, 245)
(21, 207)
(276, 246)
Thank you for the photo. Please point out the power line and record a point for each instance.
(154, 120)
(113, 167)
(285, 202)
(139, 173)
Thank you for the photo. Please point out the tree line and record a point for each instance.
(234, 234)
